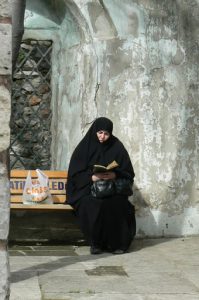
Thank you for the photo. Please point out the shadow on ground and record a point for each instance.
(68, 256)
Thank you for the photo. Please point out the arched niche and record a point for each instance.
(74, 71)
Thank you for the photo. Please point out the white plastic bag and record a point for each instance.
(36, 191)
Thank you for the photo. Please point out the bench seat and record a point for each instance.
(57, 186)
(21, 206)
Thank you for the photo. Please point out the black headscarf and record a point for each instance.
(103, 124)
(89, 152)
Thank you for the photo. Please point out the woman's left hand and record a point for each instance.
(109, 175)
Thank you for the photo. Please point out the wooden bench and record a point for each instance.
(57, 186)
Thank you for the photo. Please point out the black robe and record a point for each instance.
(107, 223)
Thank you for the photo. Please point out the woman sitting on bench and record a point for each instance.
(108, 223)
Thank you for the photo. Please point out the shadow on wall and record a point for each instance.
(153, 222)
(144, 217)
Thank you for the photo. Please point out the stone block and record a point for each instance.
(4, 271)
(4, 205)
(5, 8)
(5, 50)
(5, 102)
(24, 285)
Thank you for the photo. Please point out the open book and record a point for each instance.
(100, 168)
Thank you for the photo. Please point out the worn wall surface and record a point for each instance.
(5, 82)
(136, 62)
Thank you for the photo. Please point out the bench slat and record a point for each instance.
(56, 198)
(56, 185)
(53, 192)
(41, 207)
(51, 174)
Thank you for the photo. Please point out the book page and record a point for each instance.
(112, 165)
(100, 168)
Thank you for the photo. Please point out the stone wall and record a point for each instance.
(5, 83)
(136, 62)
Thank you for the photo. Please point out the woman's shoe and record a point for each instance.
(95, 250)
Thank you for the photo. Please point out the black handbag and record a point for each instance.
(103, 188)
(107, 188)
(124, 186)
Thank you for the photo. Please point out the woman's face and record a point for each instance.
(103, 136)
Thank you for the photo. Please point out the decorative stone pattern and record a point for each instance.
(31, 113)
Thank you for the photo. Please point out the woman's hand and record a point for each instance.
(109, 175)
(104, 176)
(97, 176)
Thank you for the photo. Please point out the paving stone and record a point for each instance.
(41, 253)
(81, 296)
(192, 275)
(169, 297)
(50, 247)
(168, 283)
(25, 286)
(30, 293)
(89, 296)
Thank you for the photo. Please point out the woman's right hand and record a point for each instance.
(104, 176)
(97, 176)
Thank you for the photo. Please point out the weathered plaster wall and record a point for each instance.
(137, 63)
(74, 85)
(5, 82)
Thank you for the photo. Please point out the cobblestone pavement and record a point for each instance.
(153, 269)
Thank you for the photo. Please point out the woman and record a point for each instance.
(107, 223)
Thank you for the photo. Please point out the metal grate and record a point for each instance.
(30, 112)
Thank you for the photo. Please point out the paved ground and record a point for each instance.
(158, 269)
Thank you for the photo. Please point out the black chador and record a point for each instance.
(108, 223)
